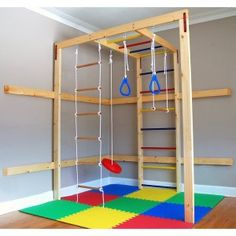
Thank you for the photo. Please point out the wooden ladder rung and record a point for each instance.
(87, 138)
(157, 148)
(88, 187)
(86, 89)
(88, 163)
(162, 90)
(160, 167)
(87, 114)
(158, 109)
(160, 129)
(86, 65)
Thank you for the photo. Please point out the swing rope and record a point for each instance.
(100, 121)
(111, 110)
(109, 163)
(125, 81)
(154, 79)
(76, 124)
(126, 59)
(153, 69)
(166, 80)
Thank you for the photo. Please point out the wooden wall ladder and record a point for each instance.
(140, 129)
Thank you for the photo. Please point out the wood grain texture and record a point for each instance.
(57, 125)
(115, 47)
(187, 118)
(178, 136)
(26, 169)
(139, 122)
(211, 93)
(223, 216)
(41, 93)
(47, 166)
(34, 92)
(149, 22)
(121, 39)
(158, 39)
(18, 220)
(159, 167)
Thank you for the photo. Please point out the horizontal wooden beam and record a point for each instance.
(162, 97)
(28, 169)
(158, 39)
(16, 90)
(221, 161)
(86, 99)
(124, 100)
(163, 167)
(41, 93)
(215, 161)
(33, 92)
(130, 27)
(115, 47)
(210, 93)
(159, 52)
(127, 38)
(47, 166)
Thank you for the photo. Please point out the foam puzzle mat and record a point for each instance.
(126, 207)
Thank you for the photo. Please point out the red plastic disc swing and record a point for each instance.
(108, 162)
(112, 166)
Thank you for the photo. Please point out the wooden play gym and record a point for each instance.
(182, 96)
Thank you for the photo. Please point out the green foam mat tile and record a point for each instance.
(55, 209)
(204, 200)
(131, 204)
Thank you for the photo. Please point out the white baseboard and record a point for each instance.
(218, 190)
(15, 205)
(207, 189)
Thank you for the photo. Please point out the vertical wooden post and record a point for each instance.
(139, 122)
(57, 124)
(177, 121)
(187, 118)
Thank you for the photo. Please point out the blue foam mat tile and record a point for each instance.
(176, 211)
(119, 189)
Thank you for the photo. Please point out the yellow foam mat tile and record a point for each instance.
(98, 218)
(153, 194)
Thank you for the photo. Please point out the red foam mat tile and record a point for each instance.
(90, 198)
(150, 222)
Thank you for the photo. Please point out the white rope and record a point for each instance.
(100, 122)
(153, 58)
(76, 124)
(153, 69)
(166, 79)
(126, 59)
(111, 110)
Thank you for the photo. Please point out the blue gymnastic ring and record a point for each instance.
(156, 81)
(125, 82)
